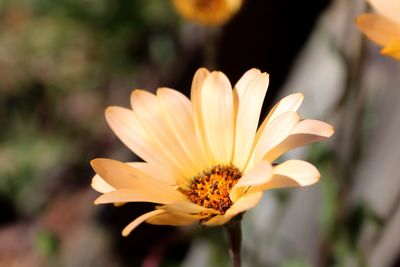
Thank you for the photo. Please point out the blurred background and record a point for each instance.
(63, 62)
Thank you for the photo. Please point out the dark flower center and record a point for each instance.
(211, 188)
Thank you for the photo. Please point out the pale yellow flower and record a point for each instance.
(384, 27)
(208, 12)
(205, 160)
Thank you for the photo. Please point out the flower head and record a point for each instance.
(383, 28)
(205, 160)
(208, 12)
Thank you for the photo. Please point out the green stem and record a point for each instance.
(234, 233)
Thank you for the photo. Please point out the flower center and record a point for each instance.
(211, 188)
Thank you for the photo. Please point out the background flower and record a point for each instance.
(384, 27)
(208, 12)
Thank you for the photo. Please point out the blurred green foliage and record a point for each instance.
(59, 61)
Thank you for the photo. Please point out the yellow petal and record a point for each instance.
(305, 132)
(100, 185)
(185, 206)
(291, 173)
(392, 49)
(150, 114)
(156, 172)
(241, 86)
(275, 132)
(261, 174)
(387, 8)
(289, 103)
(115, 173)
(178, 110)
(217, 114)
(126, 126)
(218, 220)
(175, 219)
(244, 203)
(378, 28)
(248, 114)
(129, 228)
(152, 195)
(195, 95)
(121, 176)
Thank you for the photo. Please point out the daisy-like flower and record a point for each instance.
(208, 12)
(383, 28)
(205, 160)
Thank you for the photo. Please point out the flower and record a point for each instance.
(205, 160)
(208, 12)
(383, 28)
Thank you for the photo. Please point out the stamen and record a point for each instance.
(211, 188)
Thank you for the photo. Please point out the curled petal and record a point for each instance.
(130, 227)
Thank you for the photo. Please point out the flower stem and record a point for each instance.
(234, 233)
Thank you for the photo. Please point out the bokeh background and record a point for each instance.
(63, 62)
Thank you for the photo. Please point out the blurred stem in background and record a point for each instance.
(210, 51)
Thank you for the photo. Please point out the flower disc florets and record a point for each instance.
(211, 188)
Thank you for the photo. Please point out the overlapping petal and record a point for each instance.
(275, 132)
(216, 108)
(250, 101)
(260, 174)
(305, 132)
(244, 203)
(291, 173)
(149, 112)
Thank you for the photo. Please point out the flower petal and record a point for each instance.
(175, 219)
(156, 172)
(275, 132)
(185, 206)
(291, 173)
(195, 95)
(305, 132)
(178, 110)
(387, 8)
(217, 114)
(248, 77)
(100, 185)
(150, 114)
(248, 115)
(244, 203)
(152, 195)
(121, 176)
(129, 228)
(126, 126)
(392, 49)
(378, 28)
(261, 174)
(289, 103)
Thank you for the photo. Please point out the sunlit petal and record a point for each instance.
(217, 113)
(305, 132)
